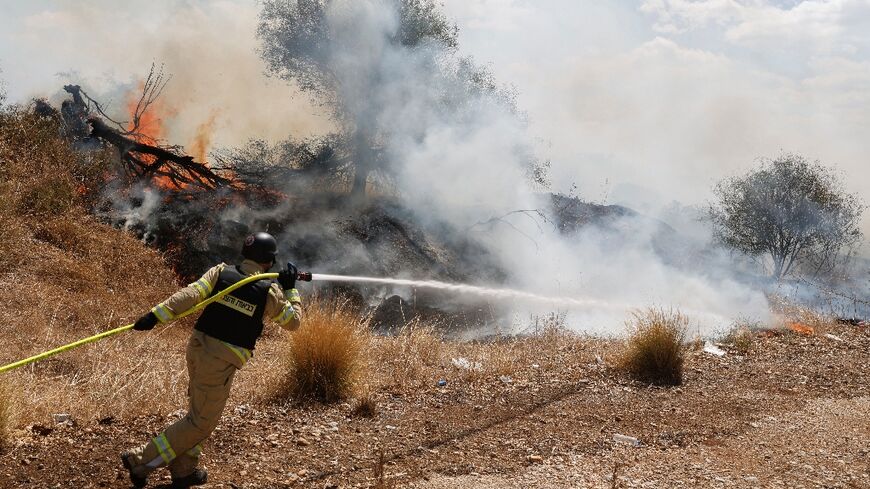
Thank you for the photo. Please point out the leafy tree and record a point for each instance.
(790, 210)
(301, 43)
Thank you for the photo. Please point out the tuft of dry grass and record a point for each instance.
(413, 358)
(741, 339)
(656, 348)
(365, 405)
(325, 356)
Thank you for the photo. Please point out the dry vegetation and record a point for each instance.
(5, 414)
(417, 404)
(324, 356)
(656, 348)
(63, 276)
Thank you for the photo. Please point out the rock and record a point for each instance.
(62, 418)
(626, 439)
(535, 459)
(713, 349)
(302, 442)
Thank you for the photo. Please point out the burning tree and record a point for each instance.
(142, 155)
(788, 209)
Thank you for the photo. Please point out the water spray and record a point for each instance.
(469, 289)
(500, 294)
(503, 294)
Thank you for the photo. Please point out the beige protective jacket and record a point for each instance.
(283, 308)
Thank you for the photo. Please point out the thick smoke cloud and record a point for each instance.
(466, 165)
(658, 103)
(671, 96)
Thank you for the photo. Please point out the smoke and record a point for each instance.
(218, 91)
(466, 162)
(458, 154)
(673, 96)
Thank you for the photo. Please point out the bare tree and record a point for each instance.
(142, 155)
(790, 210)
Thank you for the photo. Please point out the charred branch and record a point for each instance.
(146, 160)
(152, 87)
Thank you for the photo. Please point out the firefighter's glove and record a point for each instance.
(287, 277)
(146, 322)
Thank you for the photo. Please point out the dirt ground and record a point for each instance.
(792, 412)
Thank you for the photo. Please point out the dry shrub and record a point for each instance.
(365, 405)
(655, 351)
(413, 358)
(325, 355)
(45, 175)
(741, 339)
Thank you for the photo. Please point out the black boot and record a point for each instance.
(197, 478)
(137, 480)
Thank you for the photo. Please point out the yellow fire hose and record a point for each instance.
(106, 334)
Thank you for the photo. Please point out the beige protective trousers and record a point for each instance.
(178, 446)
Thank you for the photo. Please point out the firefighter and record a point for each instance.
(221, 343)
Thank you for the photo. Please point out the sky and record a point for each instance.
(641, 102)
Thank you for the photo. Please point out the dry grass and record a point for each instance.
(325, 356)
(741, 339)
(6, 403)
(81, 277)
(656, 348)
(412, 359)
(365, 405)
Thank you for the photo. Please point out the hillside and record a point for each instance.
(781, 410)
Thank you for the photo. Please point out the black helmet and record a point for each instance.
(260, 247)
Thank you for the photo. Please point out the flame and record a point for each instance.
(202, 140)
(150, 129)
(801, 328)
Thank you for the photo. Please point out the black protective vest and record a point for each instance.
(237, 317)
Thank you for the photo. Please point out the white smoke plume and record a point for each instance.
(653, 106)
(468, 165)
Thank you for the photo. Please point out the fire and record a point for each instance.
(202, 140)
(150, 129)
(801, 328)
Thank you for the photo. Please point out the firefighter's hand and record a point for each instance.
(287, 278)
(146, 322)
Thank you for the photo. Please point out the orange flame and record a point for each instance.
(150, 128)
(202, 140)
(801, 328)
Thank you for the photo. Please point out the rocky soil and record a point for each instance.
(792, 412)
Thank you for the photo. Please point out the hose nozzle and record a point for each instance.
(303, 276)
